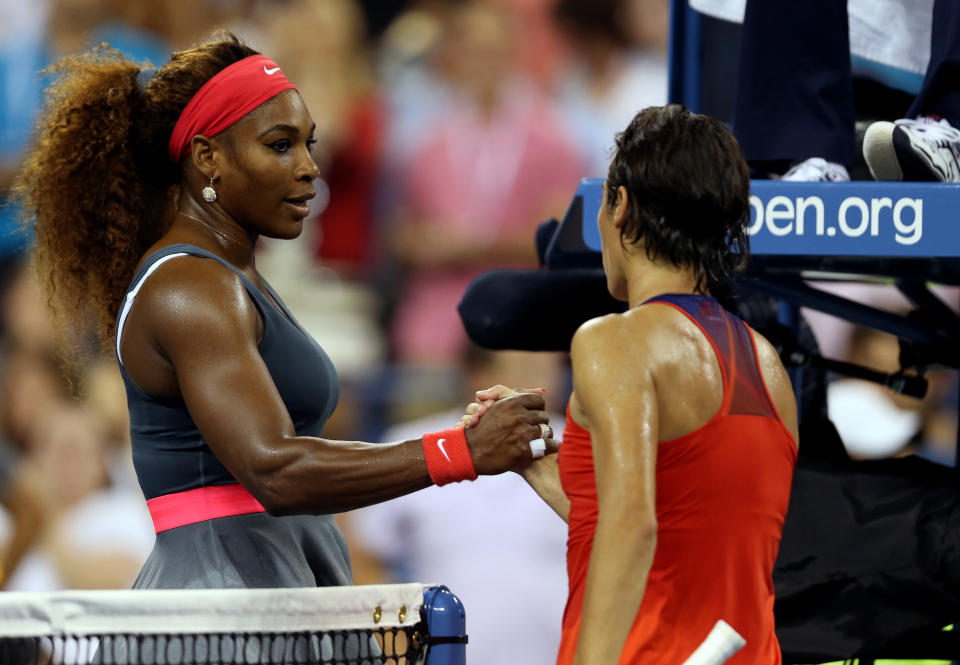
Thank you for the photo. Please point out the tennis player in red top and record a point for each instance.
(681, 435)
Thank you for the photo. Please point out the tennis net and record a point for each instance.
(365, 625)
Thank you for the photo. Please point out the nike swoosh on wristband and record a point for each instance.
(270, 72)
(440, 446)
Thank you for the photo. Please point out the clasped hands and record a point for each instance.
(544, 444)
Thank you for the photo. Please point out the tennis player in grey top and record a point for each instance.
(149, 194)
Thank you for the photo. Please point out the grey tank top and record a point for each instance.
(170, 455)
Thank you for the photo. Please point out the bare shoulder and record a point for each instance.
(597, 344)
(621, 345)
(614, 348)
(191, 314)
(611, 372)
(596, 332)
(619, 333)
(191, 294)
(778, 382)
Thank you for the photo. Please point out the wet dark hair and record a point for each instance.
(689, 189)
(97, 183)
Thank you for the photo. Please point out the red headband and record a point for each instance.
(224, 99)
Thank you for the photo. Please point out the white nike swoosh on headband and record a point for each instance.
(270, 72)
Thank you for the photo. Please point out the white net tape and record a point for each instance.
(209, 611)
(368, 625)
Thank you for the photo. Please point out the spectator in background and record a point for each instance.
(539, 55)
(21, 509)
(59, 464)
(496, 162)
(618, 65)
(23, 53)
(103, 395)
(95, 535)
(874, 422)
(408, 65)
(32, 380)
(321, 43)
(26, 385)
(142, 31)
(495, 544)
(132, 28)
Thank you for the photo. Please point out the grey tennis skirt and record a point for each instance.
(249, 551)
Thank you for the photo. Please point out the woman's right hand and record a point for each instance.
(500, 440)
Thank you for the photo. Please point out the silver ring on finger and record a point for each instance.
(545, 431)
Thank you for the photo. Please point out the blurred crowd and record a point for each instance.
(447, 130)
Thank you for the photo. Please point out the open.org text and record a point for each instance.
(855, 217)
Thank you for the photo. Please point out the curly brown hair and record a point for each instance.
(97, 184)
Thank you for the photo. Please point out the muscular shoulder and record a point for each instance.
(598, 337)
(648, 349)
(596, 331)
(614, 346)
(613, 376)
(636, 334)
(193, 295)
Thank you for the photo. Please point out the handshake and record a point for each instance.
(507, 429)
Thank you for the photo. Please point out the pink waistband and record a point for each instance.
(198, 505)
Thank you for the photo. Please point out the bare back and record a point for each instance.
(685, 370)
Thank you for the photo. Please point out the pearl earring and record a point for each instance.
(208, 193)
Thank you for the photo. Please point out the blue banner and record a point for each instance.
(892, 219)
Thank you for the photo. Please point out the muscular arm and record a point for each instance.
(199, 319)
(615, 393)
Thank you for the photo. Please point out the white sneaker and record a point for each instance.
(817, 169)
(925, 149)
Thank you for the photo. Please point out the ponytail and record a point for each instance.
(80, 188)
(97, 185)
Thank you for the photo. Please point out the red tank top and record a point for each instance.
(722, 494)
